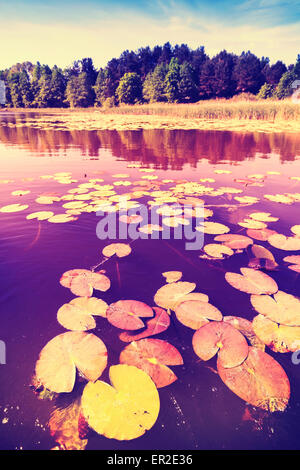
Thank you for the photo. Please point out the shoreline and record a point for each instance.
(95, 119)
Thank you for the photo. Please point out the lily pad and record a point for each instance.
(125, 314)
(58, 360)
(221, 338)
(125, 410)
(196, 313)
(252, 281)
(259, 380)
(153, 356)
(81, 282)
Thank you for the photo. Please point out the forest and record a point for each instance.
(171, 74)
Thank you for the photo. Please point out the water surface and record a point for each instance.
(197, 411)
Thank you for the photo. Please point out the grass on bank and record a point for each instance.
(214, 109)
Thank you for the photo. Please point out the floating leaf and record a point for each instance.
(172, 276)
(81, 282)
(213, 228)
(195, 313)
(252, 224)
(262, 252)
(284, 243)
(279, 338)
(125, 314)
(131, 219)
(159, 323)
(118, 249)
(14, 208)
(261, 235)
(42, 215)
(296, 230)
(246, 328)
(61, 218)
(175, 221)
(295, 260)
(77, 315)
(153, 356)
(252, 282)
(263, 217)
(215, 250)
(58, 360)
(222, 338)
(234, 241)
(20, 192)
(125, 410)
(283, 308)
(168, 295)
(259, 380)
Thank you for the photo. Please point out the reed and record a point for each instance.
(216, 109)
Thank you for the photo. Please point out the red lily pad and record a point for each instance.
(159, 323)
(153, 356)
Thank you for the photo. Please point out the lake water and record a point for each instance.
(197, 411)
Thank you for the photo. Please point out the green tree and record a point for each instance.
(154, 84)
(187, 88)
(129, 90)
(284, 88)
(25, 89)
(172, 82)
(79, 92)
(57, 88)
(14, 90)
(248, 73)
(266, 91)
(102, 88)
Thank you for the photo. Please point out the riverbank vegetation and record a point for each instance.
(164, 75)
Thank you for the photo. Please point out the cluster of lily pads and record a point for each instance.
(129, 407)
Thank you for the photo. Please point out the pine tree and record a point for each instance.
(248, 74)
(57, 88)
(188, 91)
(14, 90)
(25, 89)
(172, 82)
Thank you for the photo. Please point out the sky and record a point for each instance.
(61, 31)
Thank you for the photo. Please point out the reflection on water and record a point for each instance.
(162, 148)
(34, 254)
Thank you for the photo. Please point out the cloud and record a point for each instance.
(60, 43)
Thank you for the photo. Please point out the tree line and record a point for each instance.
(162, 74)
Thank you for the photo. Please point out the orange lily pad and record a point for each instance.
(259, 380)
(58, 360)
(196, 313)
(221, 338)
(125, 314)
(252, 281)
(81, 282)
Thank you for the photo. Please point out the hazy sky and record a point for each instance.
(61, 31)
